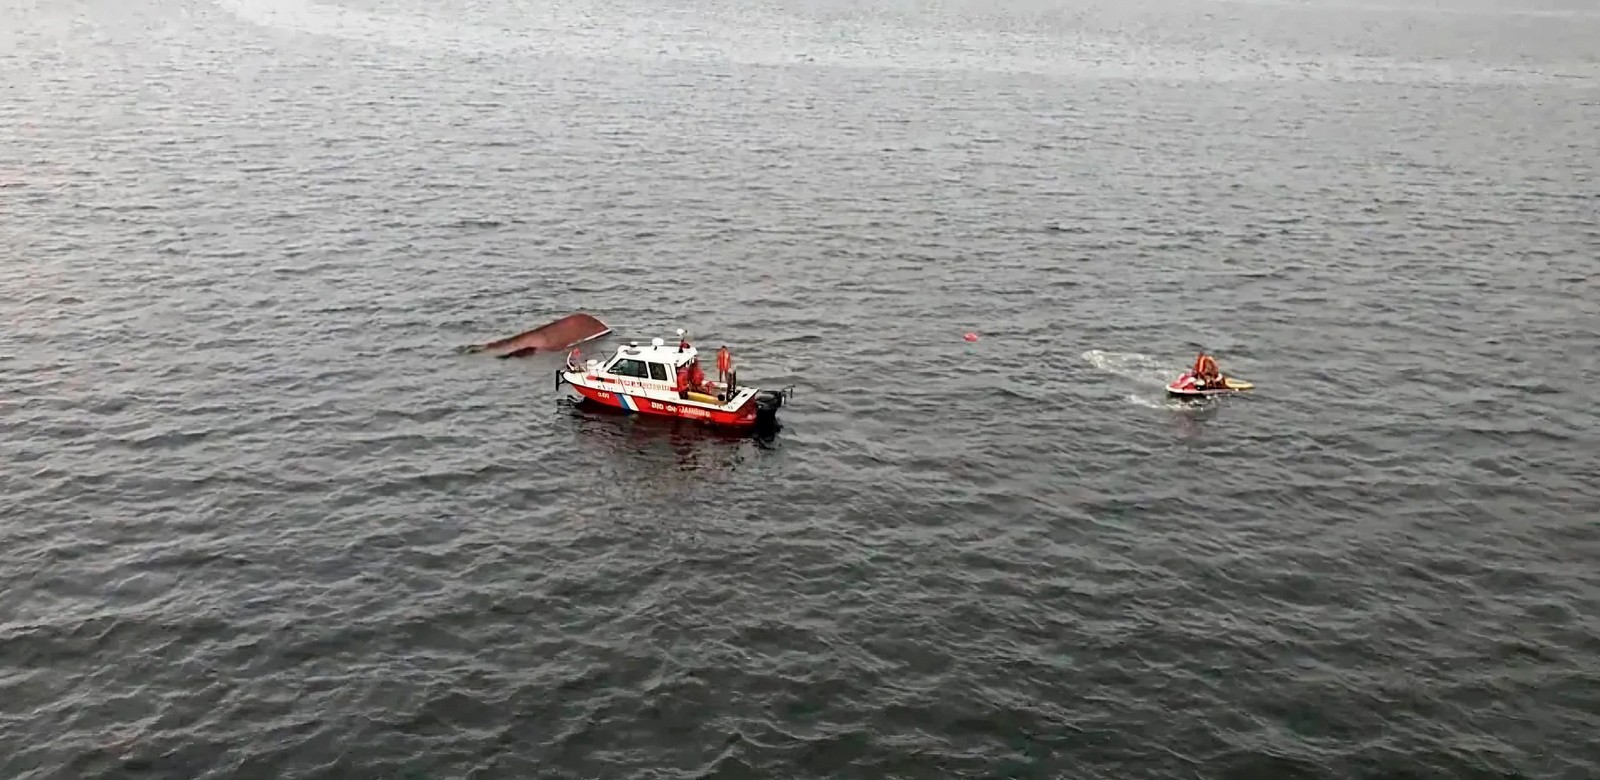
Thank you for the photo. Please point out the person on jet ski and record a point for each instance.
(1206, 373)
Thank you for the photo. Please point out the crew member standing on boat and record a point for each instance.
(682, 388)
(724, 364)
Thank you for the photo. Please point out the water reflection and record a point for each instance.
(655, 445)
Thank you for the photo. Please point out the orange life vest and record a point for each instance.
(724, 360)
(1205, 366)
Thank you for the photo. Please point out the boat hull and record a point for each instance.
(567, 332)
(759, 409)
(744, 417)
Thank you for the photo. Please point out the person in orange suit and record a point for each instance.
(1206, 372)
(697, 377)
(724, 364)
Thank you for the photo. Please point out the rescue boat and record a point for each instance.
(643, 379)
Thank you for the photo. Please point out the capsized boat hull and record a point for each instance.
(565, 333)
(1184, 387)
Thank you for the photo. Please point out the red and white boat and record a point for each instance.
(1187, 386)
(644, 380)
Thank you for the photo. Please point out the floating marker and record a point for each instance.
(971, 337)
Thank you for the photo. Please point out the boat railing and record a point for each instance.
(575, 361)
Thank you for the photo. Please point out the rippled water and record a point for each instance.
(260, 519)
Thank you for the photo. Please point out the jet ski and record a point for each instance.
(1187, 386)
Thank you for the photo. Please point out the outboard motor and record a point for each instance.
(768, 402)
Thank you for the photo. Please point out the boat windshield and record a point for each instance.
(629, 367)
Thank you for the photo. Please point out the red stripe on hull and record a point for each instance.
(744, 417)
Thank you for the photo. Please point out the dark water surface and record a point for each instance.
(259, 520)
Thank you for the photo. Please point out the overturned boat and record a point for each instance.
(565, 333)
(658, 379)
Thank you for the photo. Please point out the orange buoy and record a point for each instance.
(971, 337)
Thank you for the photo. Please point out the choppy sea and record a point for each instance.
(259, 518)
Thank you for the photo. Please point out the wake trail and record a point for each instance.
(1141, 370)
(1136, 367)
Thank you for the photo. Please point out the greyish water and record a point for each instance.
(261, 520)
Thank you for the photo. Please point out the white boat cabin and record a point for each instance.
(651, 370)
(655, 362)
